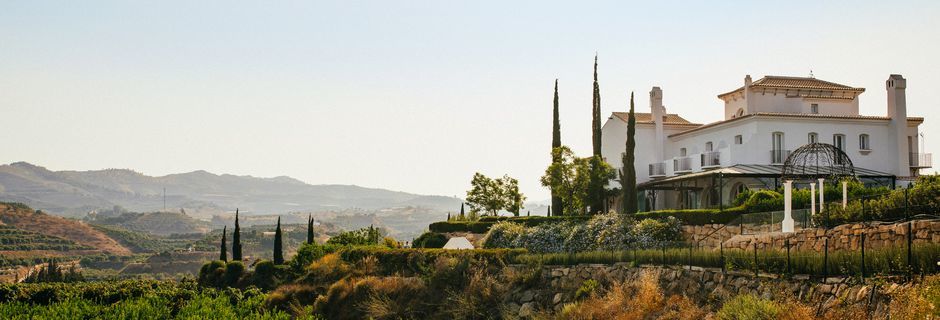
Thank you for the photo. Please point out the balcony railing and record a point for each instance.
(779, 156)
(921, 160)
(657, 170)
(682, 165)
(711, 159)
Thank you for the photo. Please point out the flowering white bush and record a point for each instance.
(546, 238)
(653, 233)
(503, 234)
(606, 232)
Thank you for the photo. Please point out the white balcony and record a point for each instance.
(682, 165)
(657, 170)
(711, 159)
(921, 160)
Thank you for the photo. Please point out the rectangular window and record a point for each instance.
(738, 139)
(813, 137)
(839, 141)
(863, 143)
(682, 152)
(814, 108)
(708, 146)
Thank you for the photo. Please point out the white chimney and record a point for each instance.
(747, 89)
(897, 111)
(658, 112)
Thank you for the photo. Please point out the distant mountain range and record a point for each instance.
(200, 194)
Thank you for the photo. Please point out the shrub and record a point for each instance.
(327, 269)
(544, 238)
(265, 275)
(696, 216)
(373, 298)
(233, 272)
(211, 274)
(430, 240)
(748, 307)
(586, 289)
(503, 235)
(653, 233)
(764, 201)
(307, 254)
(390, 243)
(460, 226)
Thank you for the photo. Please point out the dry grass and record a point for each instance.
(373, 298)
(642, 299)
(921, 301)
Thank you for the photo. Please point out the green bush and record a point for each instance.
(695, 216)
(307, 254)
(921, 198)
(764, 201)
(748, 307)
(485, 223)
(460, 226)
(430, 240)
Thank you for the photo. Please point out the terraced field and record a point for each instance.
(14, 239)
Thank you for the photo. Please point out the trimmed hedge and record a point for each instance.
(696, 216)
(484, 224)
(417, 261)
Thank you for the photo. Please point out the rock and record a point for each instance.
(825, 288)
(527, 296)
(527, 310)
(557, 298)
(513, 307)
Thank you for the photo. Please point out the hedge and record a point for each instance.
(417, 261)
(484, 224)
(696, 216)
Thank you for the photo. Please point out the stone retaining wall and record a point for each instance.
(558, 285)
(843, 237)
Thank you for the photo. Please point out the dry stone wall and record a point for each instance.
(558, 285)
(843, 237)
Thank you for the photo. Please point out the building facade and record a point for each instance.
(680, 164)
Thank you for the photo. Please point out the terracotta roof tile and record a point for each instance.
(782, 82)
(646, 117)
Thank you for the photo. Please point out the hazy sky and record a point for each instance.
(411, 95)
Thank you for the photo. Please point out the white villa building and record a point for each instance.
(683, 165)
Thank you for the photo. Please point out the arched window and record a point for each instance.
(739, 113)
(863, 143)
(812, 138)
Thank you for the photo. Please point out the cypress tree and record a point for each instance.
(596, 192)
(462, 216)
(549, 212)
(596, 113)
(310, 234)
(278, 246)
(224, 253)
(628, 171)
(236, 240)
(556, 142)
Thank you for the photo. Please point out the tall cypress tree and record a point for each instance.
(596, 113)
(596, 192)
(628, 172)
(462, 216)
(224, 251)
(310, 234)
(556, 142)
(278, 246)
(236, 240)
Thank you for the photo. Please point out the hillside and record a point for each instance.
(156, 223)
(201, 194)
(23, 218)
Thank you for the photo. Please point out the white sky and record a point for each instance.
(413, 96)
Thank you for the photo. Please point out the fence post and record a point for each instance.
(787, 243)
(907, 205)
(664, 254)
(721, 255)
(910, 256)
(826, 258)
(863, 255)
(690, 258)
(755, 258)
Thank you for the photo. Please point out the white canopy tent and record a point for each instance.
(458, 243)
